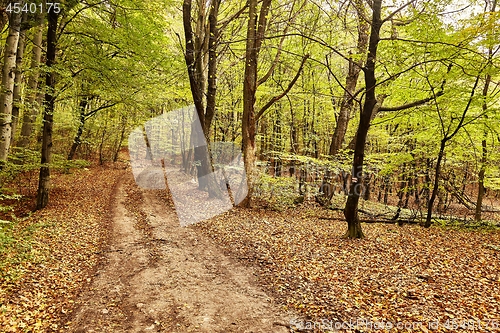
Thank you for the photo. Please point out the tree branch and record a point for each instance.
(422, 101)
(469, 102)
(388, 18)
(290, 86)
(93, 112)
(225, 22)
(262, 23)
(291, 20)
(410, 105)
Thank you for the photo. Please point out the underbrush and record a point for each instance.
(277, 193)
(19, 180)
(16, 248)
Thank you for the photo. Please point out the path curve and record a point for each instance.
(159, 277)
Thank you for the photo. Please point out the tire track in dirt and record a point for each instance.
(156, 276)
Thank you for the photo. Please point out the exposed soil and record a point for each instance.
(157, 276)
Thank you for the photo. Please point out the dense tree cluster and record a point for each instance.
(372, 99)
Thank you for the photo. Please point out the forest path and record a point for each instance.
(157, 276)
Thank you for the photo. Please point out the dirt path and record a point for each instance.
(159, 277)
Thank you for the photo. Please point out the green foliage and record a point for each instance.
(468, 225)
(279, 193)
(15, 248)
(59, 162)
(7, 208)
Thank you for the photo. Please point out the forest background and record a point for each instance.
(382, 110)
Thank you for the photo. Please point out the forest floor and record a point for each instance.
(118, 261)
(157, 276)
(106, 256)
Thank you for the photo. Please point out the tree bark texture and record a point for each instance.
(31, 108)
(351, 208)
(48, 114)
(16, 94)
(8, 78)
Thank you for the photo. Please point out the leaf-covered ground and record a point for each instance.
(405, 274)
(54, 251)
(396, 275)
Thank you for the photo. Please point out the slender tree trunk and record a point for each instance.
(48, 113)
(351, 81)
(16, 95)
(211, 61)
(435, 188)
(8, 78)
(81, 124)
(447, 137)
(149, 150)
(484, 159)
(351, 207)
(482, 171)
(190, 57)
(122, 137)
(31, 109)
(294, 133)
(101, 145)
(482, 189)
(255, 33)
(326, 191)
(204, 42)
(257, 25)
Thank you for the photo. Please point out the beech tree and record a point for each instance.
(349, 96)
(16, 93)
(371, 106)
(256, 30)
(484, 151)
(31, 108)
(201, 52)
(42, 198)
(8, 79)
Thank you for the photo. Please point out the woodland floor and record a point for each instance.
(106, 256)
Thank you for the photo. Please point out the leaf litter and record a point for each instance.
(66, 238)
(396, 274)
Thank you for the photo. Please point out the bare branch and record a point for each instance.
(388, 18)
(93, 112)
(290, 86)
(280, 46)
(233, 17)
(410, 105)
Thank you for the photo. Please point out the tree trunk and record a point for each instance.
(447, 137)
(325, 192)
(257, 25)
(31, 109)
(122, 137)
(484, 159)
(294, 133)
(254, 41)
(481, 190)
(16, 94)
(351, 82)
(482, 171)
(8, 77)
(101, 145)
(351, 207)
(81, 124)
(48, 113)
(435, 188)
(204, 42)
